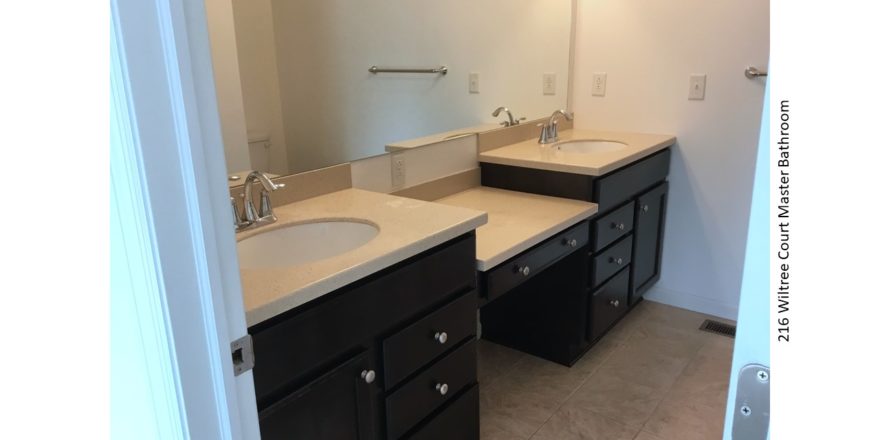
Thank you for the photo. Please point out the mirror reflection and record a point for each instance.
(296, 90)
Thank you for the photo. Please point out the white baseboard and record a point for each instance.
(693, 302)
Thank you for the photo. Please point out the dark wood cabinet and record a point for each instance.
(331, 368)
(337, 405)
(622, 261)
(648, 240)
(608, 304)
(459, 421)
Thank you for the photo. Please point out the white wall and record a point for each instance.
(254, 37)
(334, 110)
(226, 80)
(648, 49)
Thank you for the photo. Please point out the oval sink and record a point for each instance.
(303, 243)
(590, 146)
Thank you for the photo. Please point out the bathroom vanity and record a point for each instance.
(563, 310)
(390, 355)
(373, 342)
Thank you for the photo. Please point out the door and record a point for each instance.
(752, 345)
(162, 78)
(339, 405)
(648, 245)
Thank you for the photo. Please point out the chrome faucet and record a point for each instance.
(510, 119)
(250, 219)
(549, 132)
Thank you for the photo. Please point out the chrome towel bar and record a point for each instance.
(753, 72)
(375, 69)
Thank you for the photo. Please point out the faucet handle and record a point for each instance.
(553, 129)
(265, 204)
(545, 134)
(235, 215)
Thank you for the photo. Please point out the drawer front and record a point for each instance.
(608, 228)
(621, 185)
(611, 260)
(524, 266)
(459, 421)
(426, 339)
(355, 315)
(608, 304)
(423, 394)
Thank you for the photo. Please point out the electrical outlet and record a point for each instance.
(474, 82)
(398, 171)
(697, 87)
(549, 83)
(599, 79)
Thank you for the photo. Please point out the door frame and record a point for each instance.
(176, 175)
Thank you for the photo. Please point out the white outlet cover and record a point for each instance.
(474, 82)
(398, 171)
(599, 81)
(697, 87)
(548, 83)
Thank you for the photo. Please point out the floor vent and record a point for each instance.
(719, 328)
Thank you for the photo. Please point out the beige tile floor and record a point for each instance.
(655, 376)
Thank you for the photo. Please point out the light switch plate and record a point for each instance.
(398, 171)
(697, 87)
(599, 79)
(549, 83)
(474, 82)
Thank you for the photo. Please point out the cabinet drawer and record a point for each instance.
(612, 226)
(524, 266)
(459, 421)
(619, 186)
(423, 394)
(354, 316)
(424, 340)
(608, 304)
(611, 260)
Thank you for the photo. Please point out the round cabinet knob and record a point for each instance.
(572, 243)
(615, 303)
(442, 388)
(618, 261)
(645, 208)
(368, 376)
(524, 270)
(441, 337)
(621, 226)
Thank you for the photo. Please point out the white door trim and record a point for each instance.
(164, 53)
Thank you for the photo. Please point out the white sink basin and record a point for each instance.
(587, 146)
(303, 243)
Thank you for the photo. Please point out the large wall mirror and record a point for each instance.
(296, 93)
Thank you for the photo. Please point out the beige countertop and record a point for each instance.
(530, 154)
(407, 227)
(517, 221)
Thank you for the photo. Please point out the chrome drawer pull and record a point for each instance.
(442, 388)
(368, 376)
(571, 243)
(524, 270)
(618, 226)
(441, 337)
(618, 261)
(645, 208)
(615, 303)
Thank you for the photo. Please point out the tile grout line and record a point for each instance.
(668, 391)
(581, 384)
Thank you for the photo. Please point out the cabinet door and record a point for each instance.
(648, 246)
(340, 405)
